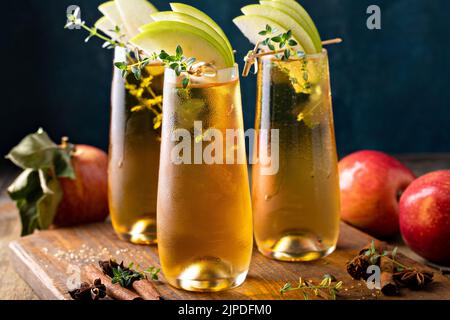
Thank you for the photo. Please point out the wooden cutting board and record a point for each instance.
(45, 260)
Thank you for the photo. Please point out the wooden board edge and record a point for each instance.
(30, 271)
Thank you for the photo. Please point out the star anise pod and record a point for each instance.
(414, 279)
(108, 266)
(89, 292)
(357, 267)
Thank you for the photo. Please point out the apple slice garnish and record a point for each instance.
(110, 11)
(251, 25)
(195, 42)
(185, 18)
(200, 15)
(296, 11)
(107, 27)
(284, 20)
(135, 13)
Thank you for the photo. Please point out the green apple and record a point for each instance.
(295, 6)
(301, 17)
(106, 26)
(195, 42)
(182, 17)
(284, 20)
(194, 12)
(251, 25)
(110, 11)
(135, 13)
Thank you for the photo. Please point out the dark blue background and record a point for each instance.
(390, 87)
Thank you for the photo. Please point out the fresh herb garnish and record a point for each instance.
(136, 62)
(328, 288)
(283, 44)
(125, 276)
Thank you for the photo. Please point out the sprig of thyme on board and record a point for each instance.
(328, 288)
(125, 276)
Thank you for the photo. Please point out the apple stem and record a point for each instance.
(64, 142)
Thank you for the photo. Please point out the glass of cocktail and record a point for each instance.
(295, 195)
(297, 208)
(204, 219)
(136, 112)
(204, 209)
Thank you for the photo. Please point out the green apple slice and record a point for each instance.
(182, 17)
(297, 7)
(284, 20)
(301, 20)
(195, 42)
(134, 14)
(106, 26)
(110, 11)
(250, 26)
(194, 12)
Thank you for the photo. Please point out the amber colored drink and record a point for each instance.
(296, 210)
(204, 210)
(134, 154)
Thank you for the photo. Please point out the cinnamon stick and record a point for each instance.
(388, 285)
(114, 291)
(146, 290)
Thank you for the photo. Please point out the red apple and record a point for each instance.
(85, 199)
(425, 216)
(371, 183)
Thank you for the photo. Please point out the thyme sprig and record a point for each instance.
(125, 276)
(374, 255)
(281, 43)
(328, 288)
(73, 20)
(178, 62)
(136, 61)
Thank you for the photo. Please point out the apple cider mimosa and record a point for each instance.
(296, 210)
(134, 154)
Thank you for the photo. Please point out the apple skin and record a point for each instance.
(85, 199)
(370, 183)
(425, 216)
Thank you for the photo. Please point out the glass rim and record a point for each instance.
(233, 68)
(222, 76)
(311, 56)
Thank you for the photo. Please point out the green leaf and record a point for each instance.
(35, 151)
(268, 28)
(276, 39)
(63, 164)
(121, 65)
(47, 205)
(24, 184)
(136, 72)
(163, 55)
(179, 51)
(287, 54)
(292, 43)
(271, 46)
(36, 190)
(185, 82)
(262, 33)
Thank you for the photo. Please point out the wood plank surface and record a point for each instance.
(47, 259)
(24, 258)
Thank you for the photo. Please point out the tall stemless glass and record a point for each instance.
(296, 207)
(134, 152)
(204, 207)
